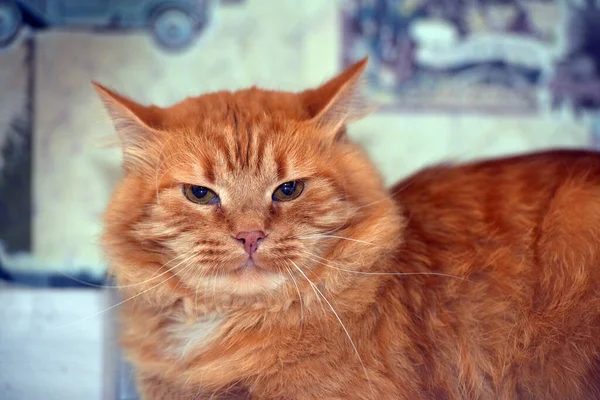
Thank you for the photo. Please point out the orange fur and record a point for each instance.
(476, 281)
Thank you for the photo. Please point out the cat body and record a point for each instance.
(476, 281)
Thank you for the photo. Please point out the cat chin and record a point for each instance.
(245, 281)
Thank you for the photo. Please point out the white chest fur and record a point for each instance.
(189, 336)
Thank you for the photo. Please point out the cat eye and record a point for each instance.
(288, 191)
(200, 194)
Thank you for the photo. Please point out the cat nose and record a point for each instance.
(250, 240)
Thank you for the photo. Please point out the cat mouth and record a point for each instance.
(250, 263)
(251, 276)
(250, 266)
(252, 270)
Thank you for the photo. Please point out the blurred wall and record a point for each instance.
(275, 44)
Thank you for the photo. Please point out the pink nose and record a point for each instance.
(250, 240)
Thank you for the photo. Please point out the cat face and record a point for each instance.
(241, 204)
(238, 192)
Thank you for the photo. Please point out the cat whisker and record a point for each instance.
(215, 287)
(182, 275)
(191, 341)
(126, 300)
(313, 289)
(196, 295)
(201, 275)
(89, 284)
(341, 226)
(167, 263)
(289, 271)
(341, 324)
(319, 235)
(308, 254)
(389, 196)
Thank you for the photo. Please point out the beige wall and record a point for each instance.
(275, 44)
(401, 144)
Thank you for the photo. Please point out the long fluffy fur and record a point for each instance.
(476, 281)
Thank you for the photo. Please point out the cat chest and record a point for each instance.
(191, 336)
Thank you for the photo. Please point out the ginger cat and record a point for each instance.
(260, 256)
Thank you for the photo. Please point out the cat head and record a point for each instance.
(244, 193)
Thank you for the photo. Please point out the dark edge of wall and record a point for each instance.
(52, 280)
(16, 177)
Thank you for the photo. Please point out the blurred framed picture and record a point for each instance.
(491, 56)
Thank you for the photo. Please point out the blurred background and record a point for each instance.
(456, 80)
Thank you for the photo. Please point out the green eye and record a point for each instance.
(200, 194)
(288, 191)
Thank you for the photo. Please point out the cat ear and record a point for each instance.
(339, 101)
(135, 124)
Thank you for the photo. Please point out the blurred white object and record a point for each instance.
(50, 343)
(434, 34)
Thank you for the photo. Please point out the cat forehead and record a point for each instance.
(236, 142)
(238, 153)
(252, 105)
(226, 123)
(243, 162)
